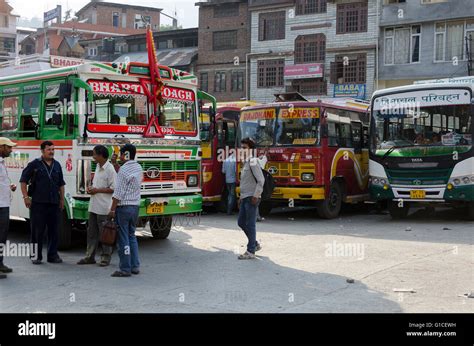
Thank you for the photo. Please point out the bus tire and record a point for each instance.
(265, 208)
(160, 226)
(470, 211)
(397, 212)
(65, 232)
(330, 207)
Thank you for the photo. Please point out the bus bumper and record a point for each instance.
(456, 194)
(150, 206)
(297, 193)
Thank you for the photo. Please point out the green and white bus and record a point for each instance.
(80, 106)
(421, 149)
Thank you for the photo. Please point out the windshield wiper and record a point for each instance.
(389, 151)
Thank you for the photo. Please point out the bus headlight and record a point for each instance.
(206, 177)
(192, 180)
(307, 177)
(462, 180)
(377, 181)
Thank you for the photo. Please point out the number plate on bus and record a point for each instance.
(417, 194)
(156, 208)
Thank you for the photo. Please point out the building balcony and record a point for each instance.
(415, 11)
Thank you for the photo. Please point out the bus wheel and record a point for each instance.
(160, 226)
(265, 208)
(397, 212)
(470, 211)
(65, 232)
(331, 206)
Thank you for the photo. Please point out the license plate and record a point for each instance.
(156, 208)
(417, 194)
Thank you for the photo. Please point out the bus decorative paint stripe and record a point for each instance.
(346, 154)
(133, 129)
(37, 143)
(300, 113)
(261, 114)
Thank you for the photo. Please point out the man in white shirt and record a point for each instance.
(101, 192)
(6, 187)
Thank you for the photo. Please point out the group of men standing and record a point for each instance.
(115, 194)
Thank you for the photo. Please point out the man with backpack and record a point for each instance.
(252, 183)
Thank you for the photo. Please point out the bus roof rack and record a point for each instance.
(290, 96)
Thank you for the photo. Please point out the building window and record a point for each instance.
(4, 21)
(394, 1)
(310, 6)
(227, 10)
(310, 48)
(224, 40)
(352, 17)
(270, 73)
(7, 44)
(405, 41)
(141, 21)
(349, 69)
(237, 81)
(309, 86)
(220, 82)
(204, 81)
(115, 19)
(272, 26)
(450, 40)
(92, 51)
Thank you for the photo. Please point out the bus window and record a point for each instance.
(180, 115)
(52, 114)
(345, 138)
(333, 135)
(230, 134)
(29, 115)
(120, 110)
(9, 114)
(357, 135)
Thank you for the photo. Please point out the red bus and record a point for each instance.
(317, 152)
(217, 138)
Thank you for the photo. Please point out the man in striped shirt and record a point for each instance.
(125, 208)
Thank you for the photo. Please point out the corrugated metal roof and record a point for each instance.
(168, 57)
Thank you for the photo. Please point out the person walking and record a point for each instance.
(99, 206)
(45, 199)
(229, 168)
(6, 188)
(125, 209)
(251, 187)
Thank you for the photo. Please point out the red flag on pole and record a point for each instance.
(155, 98)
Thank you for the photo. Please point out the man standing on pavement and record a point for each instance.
(99, 206)
(252, 181)
(6, 187)
(229, 169)
(125, 209)
(45, 198)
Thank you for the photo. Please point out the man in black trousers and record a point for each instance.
(42, 186)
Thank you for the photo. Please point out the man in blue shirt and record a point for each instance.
(229, 169)
(42, 186)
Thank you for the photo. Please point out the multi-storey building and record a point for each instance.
(316, 47)
(224, 42)
(425, 39)
(119, 15)
(8, 33)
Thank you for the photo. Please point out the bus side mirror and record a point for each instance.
(212, 114)
(65, 92)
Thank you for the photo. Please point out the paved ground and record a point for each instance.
(303, 267)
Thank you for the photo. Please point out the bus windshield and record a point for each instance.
(298, 126)
(125, 103)
(258, 125)
(444, 126)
